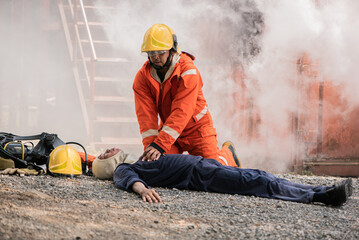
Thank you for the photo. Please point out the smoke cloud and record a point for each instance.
(260, 39)
(37, 91)
(265, 38)
(322, 29)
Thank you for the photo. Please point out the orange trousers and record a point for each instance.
(205, 146)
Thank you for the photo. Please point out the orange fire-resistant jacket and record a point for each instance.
(178, 101)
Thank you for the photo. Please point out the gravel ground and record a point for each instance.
(45, 207)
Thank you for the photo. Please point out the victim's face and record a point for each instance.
(109, 153)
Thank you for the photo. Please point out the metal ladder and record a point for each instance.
(108, 112)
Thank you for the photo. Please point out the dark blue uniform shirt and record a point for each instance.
(172, 171)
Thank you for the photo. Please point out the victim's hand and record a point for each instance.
(151, 154)
(151, 196)
(148, 195)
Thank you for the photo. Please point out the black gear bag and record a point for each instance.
(25, 153)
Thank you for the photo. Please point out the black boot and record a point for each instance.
(349, 187)
(336, 196)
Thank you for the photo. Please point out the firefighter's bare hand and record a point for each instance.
(151, 154)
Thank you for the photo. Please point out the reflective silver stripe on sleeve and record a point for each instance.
(150, 132)
(189, 72)
(224, 160)
(202, 113)
(173, 133)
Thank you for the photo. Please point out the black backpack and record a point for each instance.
(25, 153)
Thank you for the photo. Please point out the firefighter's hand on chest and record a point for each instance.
(151, 154)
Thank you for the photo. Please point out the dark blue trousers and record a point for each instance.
(212, 177)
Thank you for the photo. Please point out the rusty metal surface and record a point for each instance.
(324, 124)
(329, 126)
(333, 167)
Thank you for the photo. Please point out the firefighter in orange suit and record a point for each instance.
(170, 86)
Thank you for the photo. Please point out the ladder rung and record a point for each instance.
(120, 141)
(116, 120)
(95, 24)
(109, 60)
(91, 7)
(97, 41)
(113, 99)
(106, 79)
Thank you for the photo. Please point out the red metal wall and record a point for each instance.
(325, 125)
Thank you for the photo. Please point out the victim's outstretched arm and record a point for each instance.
(148, 195)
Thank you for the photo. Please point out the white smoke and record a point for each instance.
(263, 38)
(37, 93)
(218, 35)
(325, 31)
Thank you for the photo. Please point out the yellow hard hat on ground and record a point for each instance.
(65, 160)
(159, 37)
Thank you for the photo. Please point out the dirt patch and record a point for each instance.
(45, 207)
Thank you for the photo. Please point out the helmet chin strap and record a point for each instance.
(168, 62)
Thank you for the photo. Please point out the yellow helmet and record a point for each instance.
(159, 37)
(65, 160)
